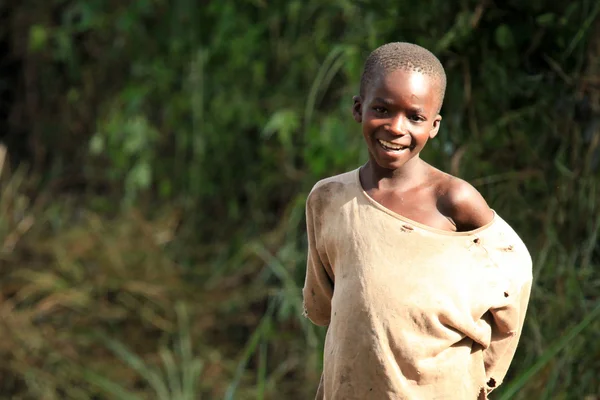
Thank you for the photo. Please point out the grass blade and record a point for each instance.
(172, 373)
(135, 362)
(581, 32)
(116, 391)
(319, 83)
(522, 380)
(262, 371)
(189, 374)
(250, 348)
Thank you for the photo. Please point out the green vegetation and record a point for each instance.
(152, 234)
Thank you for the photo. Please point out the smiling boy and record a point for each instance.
(423, 287)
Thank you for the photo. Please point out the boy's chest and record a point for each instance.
(420, 206)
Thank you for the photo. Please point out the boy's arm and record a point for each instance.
(507, 325)
(470, 211)
(318, 285)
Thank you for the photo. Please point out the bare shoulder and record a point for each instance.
(461, 202)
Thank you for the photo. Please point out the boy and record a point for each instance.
(423, 287)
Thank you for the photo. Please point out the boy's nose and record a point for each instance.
(398, 126)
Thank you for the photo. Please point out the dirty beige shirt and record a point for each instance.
(412, 312)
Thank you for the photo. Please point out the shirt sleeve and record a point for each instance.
(507, 325)
(318, 285)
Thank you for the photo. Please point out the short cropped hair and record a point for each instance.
(407, 56)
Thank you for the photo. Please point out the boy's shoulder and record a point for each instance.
(326, 190)
(335, 182)
(462, 202)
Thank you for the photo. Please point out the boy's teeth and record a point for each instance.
(390, 145)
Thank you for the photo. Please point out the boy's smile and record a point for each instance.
(399, 113)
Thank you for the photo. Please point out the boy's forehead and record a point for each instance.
(383, 79)
(403, 77)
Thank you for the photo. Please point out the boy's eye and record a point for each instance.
(380, 110)
(416, 118)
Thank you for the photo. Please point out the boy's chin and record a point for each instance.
(391, 163)
(392, 166)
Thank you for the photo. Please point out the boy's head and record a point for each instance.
(401, 93)
(405, 56)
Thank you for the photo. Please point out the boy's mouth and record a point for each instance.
(389, 146)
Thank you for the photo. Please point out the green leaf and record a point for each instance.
(38, 37)
(546, 19)
(138, 133)
(141, 175)
(504, 37)
(285, 123)
(97, 144)
(165, 188)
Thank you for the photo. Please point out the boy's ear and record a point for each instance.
(436, 126)
(357, 108)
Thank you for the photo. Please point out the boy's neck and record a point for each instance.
(410, 174)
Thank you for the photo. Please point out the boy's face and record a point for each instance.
(399, 114)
